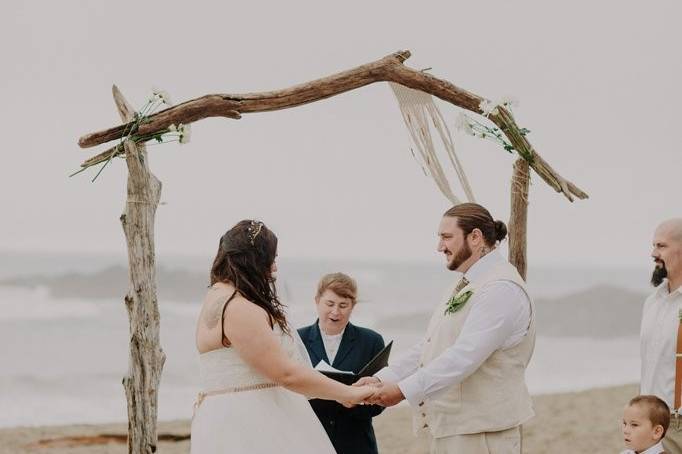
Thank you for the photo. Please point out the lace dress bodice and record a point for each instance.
(224, 368)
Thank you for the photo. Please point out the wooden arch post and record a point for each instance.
(518, 219)
(146, 358)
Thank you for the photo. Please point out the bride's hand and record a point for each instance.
(357, 395)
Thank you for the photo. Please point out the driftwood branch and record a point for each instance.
(146, 359)
(504, 120)
(104, 156)
(387, 69)
(518, 220)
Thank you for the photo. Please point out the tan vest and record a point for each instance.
(495, 396)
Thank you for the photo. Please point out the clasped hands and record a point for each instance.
(375, 392)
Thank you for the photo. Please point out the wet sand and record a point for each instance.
(587, 421)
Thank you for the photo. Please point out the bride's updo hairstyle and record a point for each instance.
(244, 259)
(472, 216)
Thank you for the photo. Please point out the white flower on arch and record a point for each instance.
(463, 123)
(162, 95)
(487, 107)
(185, 133)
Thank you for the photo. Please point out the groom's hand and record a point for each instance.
(367, 381)
(387, 395)
(357, 395)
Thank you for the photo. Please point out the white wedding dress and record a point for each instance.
(241, 411)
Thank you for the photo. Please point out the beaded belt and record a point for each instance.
(234, 389)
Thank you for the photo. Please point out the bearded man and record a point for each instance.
(465, 381)
(661, 327)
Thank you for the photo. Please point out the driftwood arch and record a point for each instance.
(146, 358)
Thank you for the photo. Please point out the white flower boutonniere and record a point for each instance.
(457, 302)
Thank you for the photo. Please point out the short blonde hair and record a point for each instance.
(339, 283)
(657, 411)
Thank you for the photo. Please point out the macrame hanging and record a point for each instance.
(419, 110)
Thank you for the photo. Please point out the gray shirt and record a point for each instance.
(658, 342)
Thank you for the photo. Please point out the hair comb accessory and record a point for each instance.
(254, 229)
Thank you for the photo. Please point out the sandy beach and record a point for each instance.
(587, 421)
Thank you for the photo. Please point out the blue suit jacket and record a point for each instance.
(350, 429)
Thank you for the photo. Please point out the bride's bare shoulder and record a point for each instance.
(238, 308)
(214, 301)
(241, 308)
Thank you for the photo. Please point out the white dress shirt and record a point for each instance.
(331, 343)
(655, 449)
(498, 320)
(658, 342)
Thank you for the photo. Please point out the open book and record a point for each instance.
(377, 363)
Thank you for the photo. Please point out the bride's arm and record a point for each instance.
(247, 328)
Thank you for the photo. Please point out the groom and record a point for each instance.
(465, 381)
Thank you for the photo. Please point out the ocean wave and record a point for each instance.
(18, 303)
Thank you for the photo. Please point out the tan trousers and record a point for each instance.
(502, 442)
(673, 437)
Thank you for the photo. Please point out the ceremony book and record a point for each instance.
(377, 363)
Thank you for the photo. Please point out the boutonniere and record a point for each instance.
(457, 302)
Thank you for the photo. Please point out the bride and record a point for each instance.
(253, 377)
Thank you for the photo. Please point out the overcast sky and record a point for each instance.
(598, 84)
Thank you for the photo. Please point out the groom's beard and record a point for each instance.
(462, 256)
(659, 274)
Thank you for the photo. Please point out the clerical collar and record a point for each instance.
(331, 336)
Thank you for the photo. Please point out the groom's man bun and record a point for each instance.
(472, 216)
(500, 230)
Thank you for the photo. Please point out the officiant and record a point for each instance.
(344, 346)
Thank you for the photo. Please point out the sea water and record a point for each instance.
(62, 359)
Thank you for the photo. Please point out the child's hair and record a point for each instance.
(658, 411)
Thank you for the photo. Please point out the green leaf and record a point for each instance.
(457, 302)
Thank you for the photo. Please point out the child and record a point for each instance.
(645, 421)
